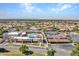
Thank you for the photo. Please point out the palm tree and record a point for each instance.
(51, 52)
(24, 48)
(75, 50)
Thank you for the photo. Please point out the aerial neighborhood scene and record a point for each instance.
(39, 29)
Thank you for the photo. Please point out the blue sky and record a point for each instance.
(39, 10)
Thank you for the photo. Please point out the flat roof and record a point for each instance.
(13, 33)
(58, 40)
(25, 38)
(20, 37)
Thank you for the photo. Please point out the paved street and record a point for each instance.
(61, 49)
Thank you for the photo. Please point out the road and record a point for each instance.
(61, 49)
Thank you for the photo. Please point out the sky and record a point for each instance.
(39, 10)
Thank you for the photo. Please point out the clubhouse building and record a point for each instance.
(36, 36)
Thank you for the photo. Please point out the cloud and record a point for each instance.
(28, 7)
(63, 7)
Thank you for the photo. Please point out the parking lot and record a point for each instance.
(61, 49)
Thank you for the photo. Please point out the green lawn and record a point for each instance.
(19, 54)
(12, 54)
(36, 54)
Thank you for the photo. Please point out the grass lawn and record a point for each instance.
(36, 44)
(36, 54)
(39, 44)
(19, 54)
(12, 54)
(1, 39)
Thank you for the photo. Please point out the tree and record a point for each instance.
(23, 48)
(2, 31)
(51, 52)
(75, 50)
(55, 28)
